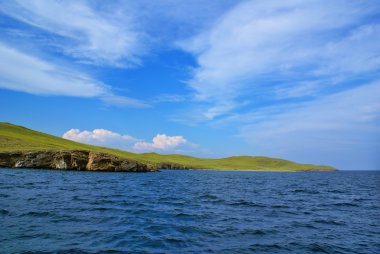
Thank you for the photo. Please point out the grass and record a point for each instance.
(18, 138)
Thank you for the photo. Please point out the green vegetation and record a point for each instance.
(18, 138)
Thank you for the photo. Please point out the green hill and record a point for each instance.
(18, 138)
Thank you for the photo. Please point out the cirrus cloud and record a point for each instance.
(43, 78)
(340, 129)
(91, 35)
(263, 46)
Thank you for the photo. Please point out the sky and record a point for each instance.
(293, 79)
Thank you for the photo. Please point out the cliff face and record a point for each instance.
(169, 165)
(71, 160)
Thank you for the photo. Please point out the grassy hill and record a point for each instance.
(18, 138)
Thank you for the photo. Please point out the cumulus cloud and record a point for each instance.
(161, 142)
(100, 137)
(99, 36)
(275, 43)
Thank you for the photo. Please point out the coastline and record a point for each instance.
(80, 160)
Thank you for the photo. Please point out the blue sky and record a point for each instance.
(292, 79)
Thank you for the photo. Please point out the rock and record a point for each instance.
(106, 162)
(8, 160)
(168, 165)
(71, 160)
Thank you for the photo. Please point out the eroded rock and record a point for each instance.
(71, 160)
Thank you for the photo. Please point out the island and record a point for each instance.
(21, 147)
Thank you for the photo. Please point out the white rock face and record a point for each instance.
(61, 164)
(19, 164)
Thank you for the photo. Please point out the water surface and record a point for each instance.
(189, 212)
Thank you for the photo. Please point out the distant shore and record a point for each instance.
(23, 147)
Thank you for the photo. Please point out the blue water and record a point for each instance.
(189, 212)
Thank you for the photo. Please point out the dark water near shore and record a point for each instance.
(189, 212)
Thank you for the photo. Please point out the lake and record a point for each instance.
(189, 211)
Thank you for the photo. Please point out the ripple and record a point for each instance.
(258, 232)
(209, 197)
(303, 225)
(320, 248)
(337, 191)
(189, 212)
(280, 206)
(36, 214)
(4, 211)
(305, 191)
(329, 222)
(346, 204)
(246, 203)
(267, 247)
(184, 215)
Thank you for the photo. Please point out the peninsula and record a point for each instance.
(21, 147)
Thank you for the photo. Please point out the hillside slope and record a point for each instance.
(18, 138)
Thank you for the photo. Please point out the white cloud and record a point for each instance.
(107, 138)
(169, 98)
(102, 36)
(161, 142)
(26, 73)
(100, 137)
(281, 42)
(355, 54)
(123, 101)
(340, 129)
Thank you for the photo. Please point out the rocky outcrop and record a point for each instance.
(71, 160)
(168, 165)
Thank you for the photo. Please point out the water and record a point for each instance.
(189, 212)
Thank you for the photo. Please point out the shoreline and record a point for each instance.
(82, 160)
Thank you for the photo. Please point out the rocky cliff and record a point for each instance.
(169, 165)
(71, 160)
